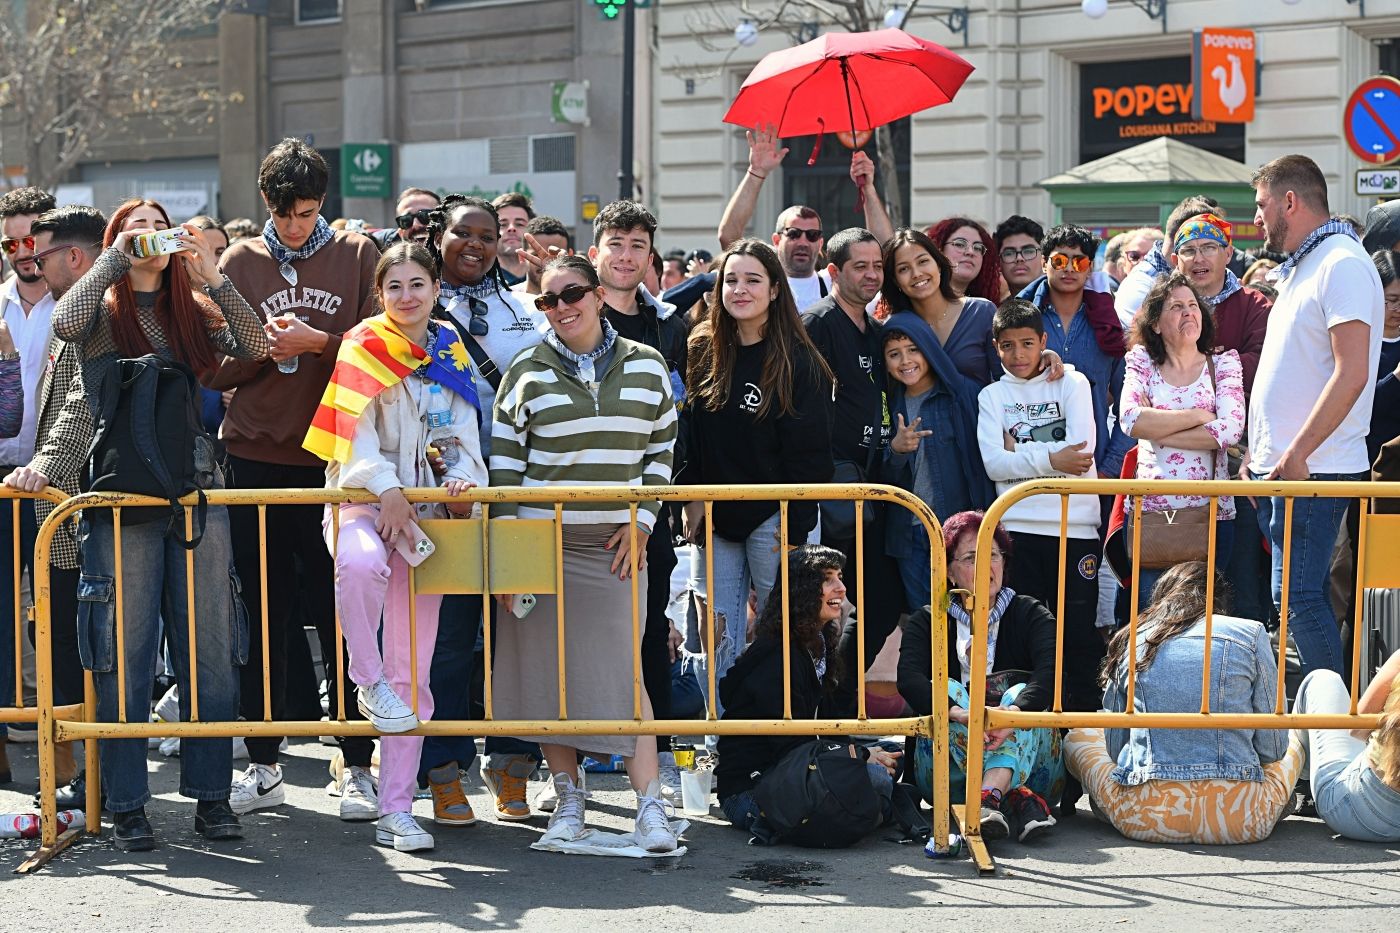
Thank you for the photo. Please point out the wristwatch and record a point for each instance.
(4, 357)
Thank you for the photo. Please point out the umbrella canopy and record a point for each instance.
(848, 81)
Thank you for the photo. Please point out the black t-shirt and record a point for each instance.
(860, 428)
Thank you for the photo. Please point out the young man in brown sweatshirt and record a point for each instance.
(312, 284)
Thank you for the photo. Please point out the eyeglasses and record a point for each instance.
(1060, 262)
(792, 233)
(964, 246)
(404, 221)
(569, 295)
(11, 245)
(1208, 250)
(1011, 253)
(39, 257)
(1133, 255)
(971, 557)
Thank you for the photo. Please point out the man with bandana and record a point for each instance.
(1310, 410)
(312, 284)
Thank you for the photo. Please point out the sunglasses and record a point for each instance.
(1060, 262)
(404, 221)
(964, 246)
(1133, 255)
(1011, 253)
(11, 245)
(569, 295)
(477, 324)
(39, 257)
(792, 233)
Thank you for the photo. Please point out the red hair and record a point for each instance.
(988, 282)
(185, 316)
(965, 523)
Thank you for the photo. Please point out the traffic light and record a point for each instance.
(611, 9)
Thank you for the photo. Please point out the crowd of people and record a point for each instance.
(474, 343)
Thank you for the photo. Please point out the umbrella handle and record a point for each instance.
(817, 146)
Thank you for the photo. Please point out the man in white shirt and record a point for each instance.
(26, 307)
(1311, 406)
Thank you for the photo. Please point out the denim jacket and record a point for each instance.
(1243, 680)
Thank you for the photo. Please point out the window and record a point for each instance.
(317, 11)
(826, 186)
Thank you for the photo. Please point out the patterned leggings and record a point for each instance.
(1206, 812)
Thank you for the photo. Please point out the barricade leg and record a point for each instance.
(398, 765)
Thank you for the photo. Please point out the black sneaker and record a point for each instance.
(71, 796)
(132, 832)
(994, 825)
(1028, 811)
(215, 820)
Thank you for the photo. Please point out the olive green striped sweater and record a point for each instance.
(550, 430)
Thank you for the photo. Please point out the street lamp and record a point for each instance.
(954, 17)
(1155, 9)
(746, 33)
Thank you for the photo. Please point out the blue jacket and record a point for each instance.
(1243, 680)
(899, 468)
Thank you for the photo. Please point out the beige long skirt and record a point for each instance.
(597, 642)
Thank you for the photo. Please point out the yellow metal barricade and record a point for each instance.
(1378, 542)
(488, 557)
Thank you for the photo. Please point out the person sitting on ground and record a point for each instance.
(1203, 786)
(1022, 774)
(400, 392)
(753, 687)
(1355, 776)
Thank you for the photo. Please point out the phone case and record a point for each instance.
(415, 547)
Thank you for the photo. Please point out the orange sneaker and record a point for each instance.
(508, 785)
(450, 804)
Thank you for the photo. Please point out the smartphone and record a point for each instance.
(522, 605)
(415, 547)
(157, 243)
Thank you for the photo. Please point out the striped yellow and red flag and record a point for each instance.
(373, 357)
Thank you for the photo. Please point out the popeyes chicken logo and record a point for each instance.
(1222, 70)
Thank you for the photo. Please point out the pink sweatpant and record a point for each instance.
(371, 581)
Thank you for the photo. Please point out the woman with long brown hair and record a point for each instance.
(126, 307)
(758, 409)
(1207, 786)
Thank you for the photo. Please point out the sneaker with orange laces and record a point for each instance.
(509, 785)
(450, 804)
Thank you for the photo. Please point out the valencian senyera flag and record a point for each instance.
(375, 356)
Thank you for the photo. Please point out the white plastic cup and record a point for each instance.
(695, 792)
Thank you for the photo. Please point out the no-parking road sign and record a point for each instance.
(1372, 121)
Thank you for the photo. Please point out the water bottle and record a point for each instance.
(288, 365)
(440, 433)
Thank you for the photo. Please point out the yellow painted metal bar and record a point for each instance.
(412, 643)
(636, 613)
(118, 574)
(860, 608)
(784, 572)
(1283, 601)
(190, 621)
(711, 647)
(1358, 612)
(1134, 600)
(487, 647)
(559, 602)
(43, 669)
(93, 805)
(262, 600)
(1210, 603)
(1002, 716)
(16, 569)
(937, 724)
(339, 633)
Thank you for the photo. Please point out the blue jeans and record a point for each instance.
(28, 531)
(737, 566)
(1316, 522)
(1224, 547)
(914, 569)
(154, 587)
(1350, 796)
(454, 657)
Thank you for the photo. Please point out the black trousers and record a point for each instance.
(884, 590)
(299, 567)
(1034, 572)
(63, 611)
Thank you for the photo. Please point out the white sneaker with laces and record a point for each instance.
(548, 797)
(653, 829)
(566, 822)
(359, 797)
(402, 831)
(385, 708)
(258, 787)
(670, 777)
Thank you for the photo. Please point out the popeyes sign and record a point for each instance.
(1223, 68)
(1126, 103)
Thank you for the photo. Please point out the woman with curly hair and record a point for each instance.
(968, 246)
(753, 688)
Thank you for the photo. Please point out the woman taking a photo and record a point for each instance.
(1205, 786)
(181, 308)
(585, 407)
(968, 246)
(1022, 774)
(759, 399)
(400, 386)
(1185, 405)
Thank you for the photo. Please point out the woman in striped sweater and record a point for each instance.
(586, 407)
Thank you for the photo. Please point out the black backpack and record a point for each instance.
(819, 796)
(150, 441)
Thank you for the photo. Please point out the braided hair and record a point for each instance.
(439, 218)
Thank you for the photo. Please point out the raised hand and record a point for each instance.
(907, 436)
(764, 154)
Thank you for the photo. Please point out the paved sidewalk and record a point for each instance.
(300, 866)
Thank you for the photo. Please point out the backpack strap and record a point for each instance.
(485, 366)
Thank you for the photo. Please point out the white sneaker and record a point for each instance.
(167, 708)
(653, 829)
(170, 747)
(402, 831)
(258, 787)
(566, 822)
(670, 777)
(385, 708)
(359, 796)
(547, 798)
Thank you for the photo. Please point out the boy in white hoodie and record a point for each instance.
(1029, 427)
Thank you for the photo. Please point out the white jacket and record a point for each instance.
(389, 447)
(1043, 417)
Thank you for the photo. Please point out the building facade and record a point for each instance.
(1035, 105)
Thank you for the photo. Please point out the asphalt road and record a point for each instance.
(300, 866)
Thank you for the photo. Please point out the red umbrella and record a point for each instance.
(848, 81)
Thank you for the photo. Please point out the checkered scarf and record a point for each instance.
(1330, 228)
(320, 236)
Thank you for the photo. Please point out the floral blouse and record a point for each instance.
(1144, 387)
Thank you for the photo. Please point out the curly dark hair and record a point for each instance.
(625, 216)
(292, 171)
(440, 218)
(28, 200)
(1151, 312)
(807, 567)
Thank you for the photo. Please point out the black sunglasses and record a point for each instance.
(404, 221)
(477, 324)
(792, 233)
(569, 295)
